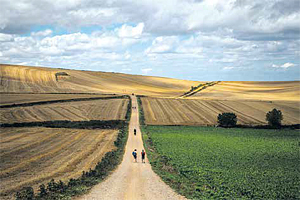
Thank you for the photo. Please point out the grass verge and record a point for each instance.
(75, 187)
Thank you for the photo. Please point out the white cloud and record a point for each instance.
(74, 47)
(284, 66)
(227, 68)
(5, 37)
(251, 20)
(131, 32)
(163, 45)
(44, 33)
(287, 65)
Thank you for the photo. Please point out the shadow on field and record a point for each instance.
(61, 101)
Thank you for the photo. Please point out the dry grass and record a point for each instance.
(110, 109)
(32, 156)
(161, 111)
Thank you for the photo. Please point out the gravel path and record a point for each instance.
(132, 180)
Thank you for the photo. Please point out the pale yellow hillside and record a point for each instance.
(250, 90)
(22, 79)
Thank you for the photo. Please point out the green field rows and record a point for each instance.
(206, 162)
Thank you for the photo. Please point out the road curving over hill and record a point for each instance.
(132, 180)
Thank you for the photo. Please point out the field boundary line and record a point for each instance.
(92, 124)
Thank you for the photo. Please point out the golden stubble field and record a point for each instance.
(32, 156)
(24, 79)
(104, 109)
(252, 90)
(162, 111)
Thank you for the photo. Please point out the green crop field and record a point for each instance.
(206, 162)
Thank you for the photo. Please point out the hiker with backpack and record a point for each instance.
(134, 131)
(134, 155)
(143, 153)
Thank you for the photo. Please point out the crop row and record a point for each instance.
(206, 162)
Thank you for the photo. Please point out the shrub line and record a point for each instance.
(92, 124)
(60, 101)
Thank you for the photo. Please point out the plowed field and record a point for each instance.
(160, 111)
(32, 156)
(111, 109)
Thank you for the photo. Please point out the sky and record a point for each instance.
(203, 40)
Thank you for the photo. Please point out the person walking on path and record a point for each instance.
(134, 155)
(134, 131)
(143, 156)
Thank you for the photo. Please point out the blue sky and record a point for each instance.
(201, 40)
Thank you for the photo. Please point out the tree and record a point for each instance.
(274, 118)
(227, 119)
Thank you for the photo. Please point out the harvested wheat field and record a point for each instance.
(32, 156)
(8, 99)
(162, 111)
(105, 109)
(23, 79)
(263, 91)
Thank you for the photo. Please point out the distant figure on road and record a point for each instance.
(134, 155)
(143, 156)
(134, 131)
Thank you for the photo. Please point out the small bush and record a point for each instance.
(274, 118)
(227, 119)
(26, 193)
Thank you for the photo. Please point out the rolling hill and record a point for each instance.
(23, 79)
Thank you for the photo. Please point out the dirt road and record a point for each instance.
(132, 180)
